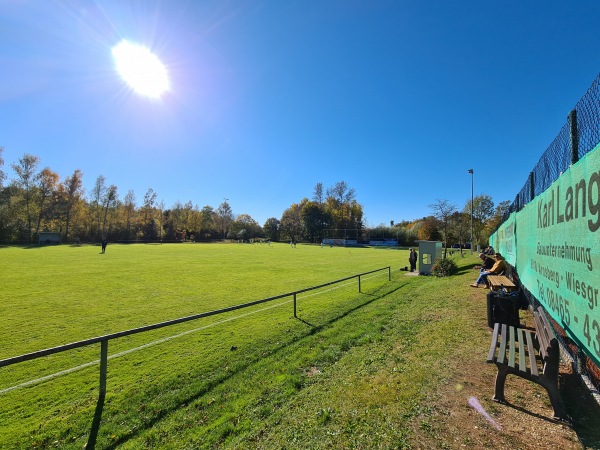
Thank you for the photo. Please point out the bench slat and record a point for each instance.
(494, 344)
(521, 339)
(496, 282)
(549, 337)
(541, 335)
(531, 352)
(502, 351)
(511, 347)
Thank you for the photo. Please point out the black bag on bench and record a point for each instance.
(502, 309)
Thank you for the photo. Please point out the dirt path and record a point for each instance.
(525, 423)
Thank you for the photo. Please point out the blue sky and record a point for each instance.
(396, 98)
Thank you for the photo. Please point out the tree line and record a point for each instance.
(448, 224)
(38, 200)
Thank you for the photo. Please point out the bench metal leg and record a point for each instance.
(499, 387)
(551, 386)
(560, 412)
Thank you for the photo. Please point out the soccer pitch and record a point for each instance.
(62, 294)
(55, 295)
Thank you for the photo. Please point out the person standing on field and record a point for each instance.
(412, 259)
(104, 244)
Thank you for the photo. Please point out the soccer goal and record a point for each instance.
(340, 237)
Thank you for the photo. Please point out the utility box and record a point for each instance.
(429, 251)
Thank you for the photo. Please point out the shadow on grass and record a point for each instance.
(532, 414)
(311, 330)
(305, 322)
(471, 268)
(91, 443)
(583, 409)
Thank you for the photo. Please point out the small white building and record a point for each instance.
(429, 251)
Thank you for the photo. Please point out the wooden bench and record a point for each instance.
(497, 282)
(531, 355)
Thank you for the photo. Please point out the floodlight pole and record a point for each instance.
(472, 176)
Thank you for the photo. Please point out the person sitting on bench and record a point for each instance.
(498, 267)
(486, 262)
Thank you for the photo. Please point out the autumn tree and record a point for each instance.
(2, 174)
(442, 211)
(493, 222)
(97, 196)
(174, 222)
(129, 211)
(109, 202)
(314, 221)
(427, 229)
(318, 195)
(207, 221)
(341, 204)
(148, 211)
(271, 229)
(70, 193)
(160, 208)
(483, 210)
(4, 198)
(26, 179)
(245, 227)
(460, 223)
(224, 217)
(291, 223)
(47, 183)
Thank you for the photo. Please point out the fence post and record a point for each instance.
(574, 133)
(389, 273)
(295, 306)
(531, 186)
(359, 284)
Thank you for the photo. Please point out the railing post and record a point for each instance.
(359, 284)
(295, 305)
(389, 273)
(103, 365)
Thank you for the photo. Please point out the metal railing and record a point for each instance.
(103, 340)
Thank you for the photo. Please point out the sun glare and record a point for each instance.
(141, 69)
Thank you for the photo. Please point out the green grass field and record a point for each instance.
(390, 367)
(57, 295)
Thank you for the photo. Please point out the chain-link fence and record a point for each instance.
(578, 136)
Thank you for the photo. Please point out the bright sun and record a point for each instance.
(141, 69)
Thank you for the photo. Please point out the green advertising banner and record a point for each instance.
(558, 259)
(504, 240)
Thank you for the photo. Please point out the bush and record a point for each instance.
(444, 267)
